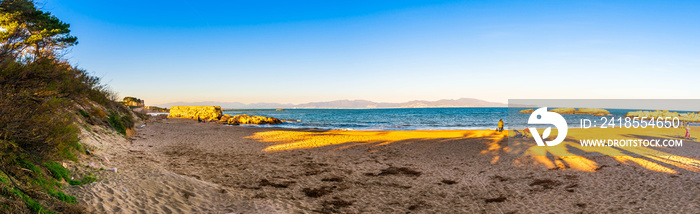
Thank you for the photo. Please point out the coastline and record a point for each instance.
(403, 107)
(179, 164)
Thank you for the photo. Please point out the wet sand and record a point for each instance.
(181, 166)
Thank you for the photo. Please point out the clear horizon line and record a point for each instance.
(330, 101)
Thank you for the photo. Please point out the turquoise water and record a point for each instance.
(385, 119)
(406, 118)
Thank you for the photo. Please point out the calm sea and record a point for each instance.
(385, 119)
(402, 119)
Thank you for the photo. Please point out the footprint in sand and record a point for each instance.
(166, 209)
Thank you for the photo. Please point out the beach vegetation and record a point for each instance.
(63, 197)
(84, 113)
(39, 95)
(88, 179)
(96, 112)
(57, 171)
(120, 123)
(141, 116)
(85, 180)
(86, 128)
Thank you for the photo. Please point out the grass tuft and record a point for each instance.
(84, 113)
(63, 197)
(57, 171)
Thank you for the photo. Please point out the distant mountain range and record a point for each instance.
(348, 104)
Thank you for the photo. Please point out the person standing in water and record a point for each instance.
(500, 125)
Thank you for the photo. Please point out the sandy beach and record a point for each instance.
(181, 166)
(349, 107)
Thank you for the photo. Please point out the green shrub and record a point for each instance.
(67, 154)
(63, 197)
(86, 180)
(128, 121)
(98, 113)
(116, 123)
(120, 124)
(29, 165)
(74, 182)
(31, 204)
(141, 116)
(39, 93)
(67, 151)
(57, 171)
(84, 113)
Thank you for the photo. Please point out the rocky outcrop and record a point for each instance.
(650, 114)
(592, 111)
(685, 117)
(214, 113)
(564, 110)
(194, 112)
(527, 111)
(248, 119)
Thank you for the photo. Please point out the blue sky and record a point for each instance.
(390, 51)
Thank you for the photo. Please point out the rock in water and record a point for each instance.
(592, 111)
(564, 110)
(249, 119)
(685, 117)
(224, 119)
(527, 111)
(194, 112)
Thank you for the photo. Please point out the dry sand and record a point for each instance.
(181, 166)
